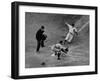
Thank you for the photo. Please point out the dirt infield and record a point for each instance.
(55, 29)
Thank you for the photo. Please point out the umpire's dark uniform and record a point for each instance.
(39, 36)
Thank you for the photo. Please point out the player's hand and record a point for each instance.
(66, 23)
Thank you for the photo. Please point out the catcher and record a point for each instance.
(58, 49)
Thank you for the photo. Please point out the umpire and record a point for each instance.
(40, 37)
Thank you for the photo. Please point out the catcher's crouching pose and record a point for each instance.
(59, 49)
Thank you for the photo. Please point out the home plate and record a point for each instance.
(53, 54)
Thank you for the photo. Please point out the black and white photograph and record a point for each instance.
(53, 40)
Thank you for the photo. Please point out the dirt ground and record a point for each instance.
(78, 53)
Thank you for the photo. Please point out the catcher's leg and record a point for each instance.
(58, 56)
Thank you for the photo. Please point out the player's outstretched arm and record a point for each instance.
(69, 26)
